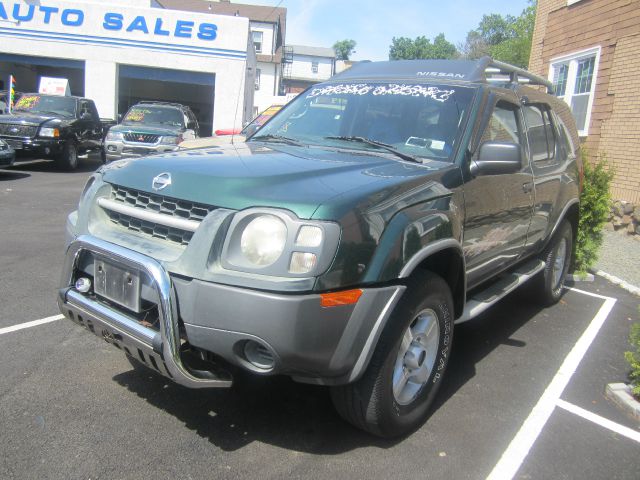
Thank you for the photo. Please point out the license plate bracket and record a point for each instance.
(117, 284)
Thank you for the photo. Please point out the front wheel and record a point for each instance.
(68, 159)
(557, 258)
(393, 396)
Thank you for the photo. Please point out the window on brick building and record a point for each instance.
(574, 80)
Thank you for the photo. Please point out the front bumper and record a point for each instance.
(116, 150)
(49, 147)
(304, 340)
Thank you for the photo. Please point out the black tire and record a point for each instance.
(68, 159)
(371, 403)
(548, 286)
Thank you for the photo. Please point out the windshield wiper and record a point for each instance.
(278, 138)
(375, 143)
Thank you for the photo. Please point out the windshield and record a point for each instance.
(146, 115)
(417, 120)
(47, 105)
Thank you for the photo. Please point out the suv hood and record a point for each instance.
(147, 129)
(307, 181)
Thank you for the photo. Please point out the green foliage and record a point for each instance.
(505, 38)
(634, 359)
(594, 211)
(403, 48)
(344, 49)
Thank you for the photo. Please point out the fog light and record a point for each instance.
(111, 148)
(83, 285)
(258, 355)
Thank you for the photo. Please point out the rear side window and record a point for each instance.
(541, 132)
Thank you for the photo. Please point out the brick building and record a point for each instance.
(590, 50)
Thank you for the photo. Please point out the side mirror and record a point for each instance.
(120, 118)
(86, 116)
(497, 158)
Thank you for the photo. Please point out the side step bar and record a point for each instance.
(481, 301)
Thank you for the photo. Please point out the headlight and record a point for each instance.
(49, 132)
(171, 140)
(114, 136)
(276, 243)
(263, 240)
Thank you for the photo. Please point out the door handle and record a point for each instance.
(527, 187)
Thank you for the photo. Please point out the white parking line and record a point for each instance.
(597, 419)
(34, 323)
(521, 444)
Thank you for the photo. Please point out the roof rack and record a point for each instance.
(500, 72)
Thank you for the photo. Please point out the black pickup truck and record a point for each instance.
(55, 127)
(342, 243)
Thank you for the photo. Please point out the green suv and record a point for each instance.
(342, 243)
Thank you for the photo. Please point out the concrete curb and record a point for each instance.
(620, 394)
(618, 281)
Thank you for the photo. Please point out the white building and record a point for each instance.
(305, 65)
(118, 52)
(268, 28)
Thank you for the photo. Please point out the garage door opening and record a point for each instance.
(28, 70)
(193, 89)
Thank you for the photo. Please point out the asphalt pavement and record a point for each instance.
(71, 406)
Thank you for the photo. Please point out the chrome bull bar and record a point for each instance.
(117, 328)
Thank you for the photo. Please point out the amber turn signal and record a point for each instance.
(334, 299)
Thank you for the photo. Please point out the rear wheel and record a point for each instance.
(394, 394)
(68, 159)
(557, 257)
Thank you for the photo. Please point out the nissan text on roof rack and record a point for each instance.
(341, 243)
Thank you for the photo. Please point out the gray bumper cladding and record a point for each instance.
(158, 349)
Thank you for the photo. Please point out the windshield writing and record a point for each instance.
(154, 115)
(416, 120)
(63, 106)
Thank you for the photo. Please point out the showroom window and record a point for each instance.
(574, 80)
(258, 71)
(314, 67)
(257, 40)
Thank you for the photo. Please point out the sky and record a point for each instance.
(373, 23)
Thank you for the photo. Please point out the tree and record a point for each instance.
(344, 49)
(505, 38)
(403, 48)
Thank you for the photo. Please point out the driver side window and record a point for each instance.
(504, 124)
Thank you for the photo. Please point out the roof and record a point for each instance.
(485, 70)
(255, 13)
(313, 51)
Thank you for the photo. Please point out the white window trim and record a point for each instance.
(571, 2)
(571, 79)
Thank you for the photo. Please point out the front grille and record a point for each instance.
(175, 235)
(12, 130)
(158, 203)
(141, 137)
(147, 202)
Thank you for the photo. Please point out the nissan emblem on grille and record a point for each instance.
(161, 181)
(141, 138)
